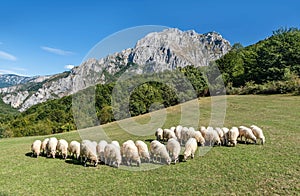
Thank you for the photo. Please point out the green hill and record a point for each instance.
(271, 169)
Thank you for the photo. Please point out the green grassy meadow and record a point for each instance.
(271, 169)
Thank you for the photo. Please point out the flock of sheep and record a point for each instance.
(130, 152)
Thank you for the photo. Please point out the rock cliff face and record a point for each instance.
(156, 52)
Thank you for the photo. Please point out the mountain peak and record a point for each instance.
(177, 48)
(156, 52)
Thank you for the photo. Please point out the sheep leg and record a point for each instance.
(84, 162)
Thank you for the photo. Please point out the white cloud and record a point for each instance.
(69, 66)
(7, 56)
(57, 51)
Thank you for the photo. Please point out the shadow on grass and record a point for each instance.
(29, 154)
(246, 143)
(181, 158)
(149, 140)
(73, 162)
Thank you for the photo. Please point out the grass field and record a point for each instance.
(272, 169)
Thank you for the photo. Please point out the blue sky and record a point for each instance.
(43, 37)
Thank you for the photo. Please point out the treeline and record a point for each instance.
(268, 67)
(113, 101)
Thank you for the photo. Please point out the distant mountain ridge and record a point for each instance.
(7, 80)
(157, 51)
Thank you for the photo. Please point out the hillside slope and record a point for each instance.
(272, 169)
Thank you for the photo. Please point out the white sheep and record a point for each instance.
(258, 133)
(173, 147)
(62, 148)
(51, 147)
(165, 134)
(36, 148)
(246, 133)
(212, 137)
(190, 148)
(159, 134)
(192, 129)
(178, 133)
(131, 153)
(116, 143)
(186, 134)
(221, 135)
(44, 146)
(158, 149)
(123, 147)
(203, 131)
(74, 149)
(168, 134)
(198, 136)
(100, 150)
(112, 155)
(143, 150)
(88, 152)
(225, 132)
(233, 134)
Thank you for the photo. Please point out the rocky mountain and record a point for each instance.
(156, 52)
(7, 80)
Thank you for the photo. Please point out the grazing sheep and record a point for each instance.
(62, 148)
(36, 148)
(246, 133)
(225, 132)
(186, 134)
(131, 153)
(116, 143)
(198, 136)
(258, 133)
(100, 150)
(88, 152)
(233, 134)
(123, 148)
(51, 147)
(74, 149)
(168, 134)
(212, 137)
(44, 146)
(190, 148)
(158, 149)
(143, 150)
(192, 129)
(173, 147)
(159, 134)
(178, 133)
(203, 131)
(124, 145)
(221, 135)
(165, 134)
(112, 155)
